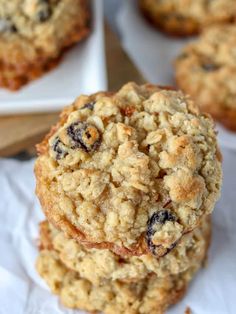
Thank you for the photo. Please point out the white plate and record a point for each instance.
(226, 138)
(82, 70)
(156, 53)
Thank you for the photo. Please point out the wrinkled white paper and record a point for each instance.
(22, 291)
(154, 53)
(82, 70)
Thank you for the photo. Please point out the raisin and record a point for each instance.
(160, 217)
(89, 106)
(84, 135)
(44, 15)
(7, 26)
(44, 12)
(210, 67)
(59, 148)
(13, 29)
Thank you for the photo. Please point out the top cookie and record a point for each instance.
(206, 69)
(188, 17)
(131, 171)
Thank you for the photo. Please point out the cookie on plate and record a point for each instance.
(151, 295)
(182, 18)
(206, 70)
(98, 265)
(131, 171)
(34, 34)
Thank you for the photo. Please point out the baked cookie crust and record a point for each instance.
(130, 171)
(34, 34)
(187, 17)
(206, 70)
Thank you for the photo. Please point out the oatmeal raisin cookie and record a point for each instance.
(131, 171)
(206, 70)
(34, 34)
(187, 17)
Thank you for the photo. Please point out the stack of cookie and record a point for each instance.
(34, 34)
(127, 181)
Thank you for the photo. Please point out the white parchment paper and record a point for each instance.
(22, 291)
(82, 70)
(154, 53)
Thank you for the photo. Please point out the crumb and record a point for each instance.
(188, 310)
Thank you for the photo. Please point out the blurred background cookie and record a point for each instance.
(206, 70)
(35, 33)
(187, 17)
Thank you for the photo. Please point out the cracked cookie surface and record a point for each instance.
(188, 17)
(33, 35)
(206, 70)
(133, 155)
(98, 266)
